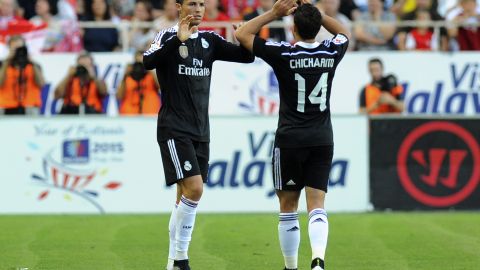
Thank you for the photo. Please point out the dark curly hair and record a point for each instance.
(308, 21)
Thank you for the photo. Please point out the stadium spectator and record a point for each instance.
(169, 17)
(80, 9)
(402, 7)
(46, 14)
(467, 36)
(124, 9)
(82, 92)
(349, 9)
(67, 9)
(66, 23)
(99, 39)
(26, 8)
(10, 24)
(445, 7)
(7, 13)
(429, 6)
(138, 91)
(157, 6)
(383, 94)
(362, 5)
(21, 80)
(371, 37)
(214, 14)
(270, 33)
(422, 37)
(237, 9)
(139, 36)
(330, 7)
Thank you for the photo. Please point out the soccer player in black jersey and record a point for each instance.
(183, 58)
(304, 139)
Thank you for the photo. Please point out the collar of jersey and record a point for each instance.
(192, 36)
(307, 45)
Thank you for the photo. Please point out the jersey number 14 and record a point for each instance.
(317, 96)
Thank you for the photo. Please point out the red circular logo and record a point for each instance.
(412, 188)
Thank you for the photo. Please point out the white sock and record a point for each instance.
(289, 236)
(318, 232)
(171, 233)
(186, 212)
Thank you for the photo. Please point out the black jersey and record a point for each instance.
(304, 72)
(184, 72)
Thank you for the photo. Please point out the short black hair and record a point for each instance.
(375, 60)
(179, 2)
(308, 21)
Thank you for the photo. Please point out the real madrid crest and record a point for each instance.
(183, 50)
(205, 43)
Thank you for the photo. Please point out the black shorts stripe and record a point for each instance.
(174, 156)
(182, 158)
(277, 169)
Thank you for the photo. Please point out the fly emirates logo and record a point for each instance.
(196, 70)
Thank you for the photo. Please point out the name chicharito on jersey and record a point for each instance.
(312, 63)
(196, 70)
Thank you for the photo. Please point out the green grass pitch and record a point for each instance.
(387, 241)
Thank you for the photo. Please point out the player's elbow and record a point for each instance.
(239, 36)
(246, 41)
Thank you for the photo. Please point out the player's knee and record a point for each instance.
(193, 192)
(197, 191)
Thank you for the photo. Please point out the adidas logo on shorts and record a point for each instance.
(291, 183)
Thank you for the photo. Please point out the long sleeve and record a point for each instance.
(161, 47)
(226, 51)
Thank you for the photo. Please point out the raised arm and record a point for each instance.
(121, 89)
(163, 45)
(62, 86)
(245, 34)
(3, 70)
(38, 75)
(101, 86)
(226, 51)
(335, 27)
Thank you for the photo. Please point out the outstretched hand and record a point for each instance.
(185, 30)
(283, 8)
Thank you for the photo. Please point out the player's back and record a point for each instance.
(305, 72)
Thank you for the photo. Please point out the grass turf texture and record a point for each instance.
(240, 241)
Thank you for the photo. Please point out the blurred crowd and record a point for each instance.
(374, 23)
(66, 26)
(81, 90)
